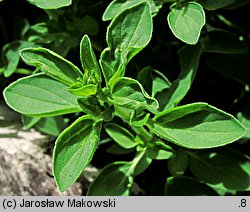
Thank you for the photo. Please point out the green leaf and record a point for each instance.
(118, 150)
(221, 41)
(138, 120)
(109, 64)
(198, 126)
(189, 57)
(129, 93)
(52, 4)
(120, 135)
(228, 167)
(117, 6)
(11, 54)
(114, 180)
(186, 186)
(89, 62)
(82, 90)
(51, 125)
(51, 64)
(158, 150)
(245, 121)
(90, 106)
(237, 4)
(186, 23)
(143, 164)
(160, 83)
(74, 150)
(145, 77)
(233, 66)
(178, 164)
(126, 38)
(29, 121)
(39, 95)
(215, 4)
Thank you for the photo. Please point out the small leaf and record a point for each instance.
(237, 4)
(117, 6)
(159, 151)
(90, 106)
(186, 186)
(11, 54)
(145, 77)
(221, 41)
(198, 126)
(215, 4)
(109, 64)
(120, 135)
(186, 23)
(118, 150)
(74, 150)
(177, 165)
(51, 64)
(39, 95)
(51, 125)
(51, 4)
(82, 90)
(160, 83)
(138, 120)
(235, 66)
(189, 57)
(29, 121)
(89, 62)
(129, 93)
(114, 180)
(231, 168)
(245, 120)
(143, 164)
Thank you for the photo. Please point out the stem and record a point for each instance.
(136, 160)
(105, 141)
(125, 115)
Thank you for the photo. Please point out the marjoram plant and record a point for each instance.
(157, 126)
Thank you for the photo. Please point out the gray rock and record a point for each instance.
(25, 169)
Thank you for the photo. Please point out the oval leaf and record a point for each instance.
(117, 6)
(198, 126)
(215, 4)
(51, 64)
(51, 4)
(39, 95)
(126, 41)
(74, 150)
(82, 90)
(89, 62)
(120, 135)
(231, 169)
(186, 186)
(189, 57)
(186, 23)
(129, 93)
(114, 180)
(177, 165)
(224, 42)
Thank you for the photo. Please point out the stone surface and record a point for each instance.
(25, 168)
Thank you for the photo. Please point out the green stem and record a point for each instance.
(141, 131)
(136, 160)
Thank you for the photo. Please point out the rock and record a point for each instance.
(25, 169)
